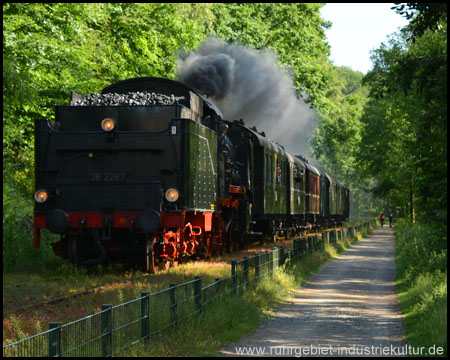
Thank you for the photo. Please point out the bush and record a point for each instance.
(423, 249)
(422, 280)
(18, 250)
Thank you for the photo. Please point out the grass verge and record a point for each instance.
(111, 285)
(421, 261)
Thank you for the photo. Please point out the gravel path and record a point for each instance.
(348, 308)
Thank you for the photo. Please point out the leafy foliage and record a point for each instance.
(423, 16)
(405, 128)
(338, 137)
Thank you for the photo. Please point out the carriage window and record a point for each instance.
(281, 173)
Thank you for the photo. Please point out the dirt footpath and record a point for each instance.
(348, 308)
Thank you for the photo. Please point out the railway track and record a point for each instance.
(51, 301)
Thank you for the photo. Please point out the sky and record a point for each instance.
(358, 28)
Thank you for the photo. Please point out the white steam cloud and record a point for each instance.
(249, 85)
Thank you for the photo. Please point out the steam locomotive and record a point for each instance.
(150, 171)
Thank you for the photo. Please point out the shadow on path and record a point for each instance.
(349, 305)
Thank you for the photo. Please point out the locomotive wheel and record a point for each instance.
(207, 248)
(165, 265)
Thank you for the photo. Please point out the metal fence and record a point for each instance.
(115, 328)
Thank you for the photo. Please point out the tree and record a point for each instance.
(423, 16)
(294, 31)
(338, 136)
(409, 89)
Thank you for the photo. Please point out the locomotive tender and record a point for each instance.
(167, 180)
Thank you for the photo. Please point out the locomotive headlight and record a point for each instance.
(172, 195)
(41, 196)
(108, 124)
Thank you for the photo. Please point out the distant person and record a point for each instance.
(391, 219)
(382, 219)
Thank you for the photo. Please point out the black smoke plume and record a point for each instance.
(249, 85)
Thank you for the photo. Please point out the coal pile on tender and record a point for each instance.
(140, 98)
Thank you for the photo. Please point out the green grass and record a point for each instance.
(421, 259)
(221, 323)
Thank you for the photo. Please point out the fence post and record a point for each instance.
(218, 287)
(54, 339)
(173, 302)
(303, 247)
(145, 296)
(245, 270)
(198, 293)
(271, 257)
(256, 266)
(281, 256)
(106, 330)
(266, 262)
(275, 259)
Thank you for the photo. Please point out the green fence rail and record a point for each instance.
(116, 328)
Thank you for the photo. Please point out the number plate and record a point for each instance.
(107, 177)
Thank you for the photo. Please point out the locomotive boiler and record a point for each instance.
(150, 171)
